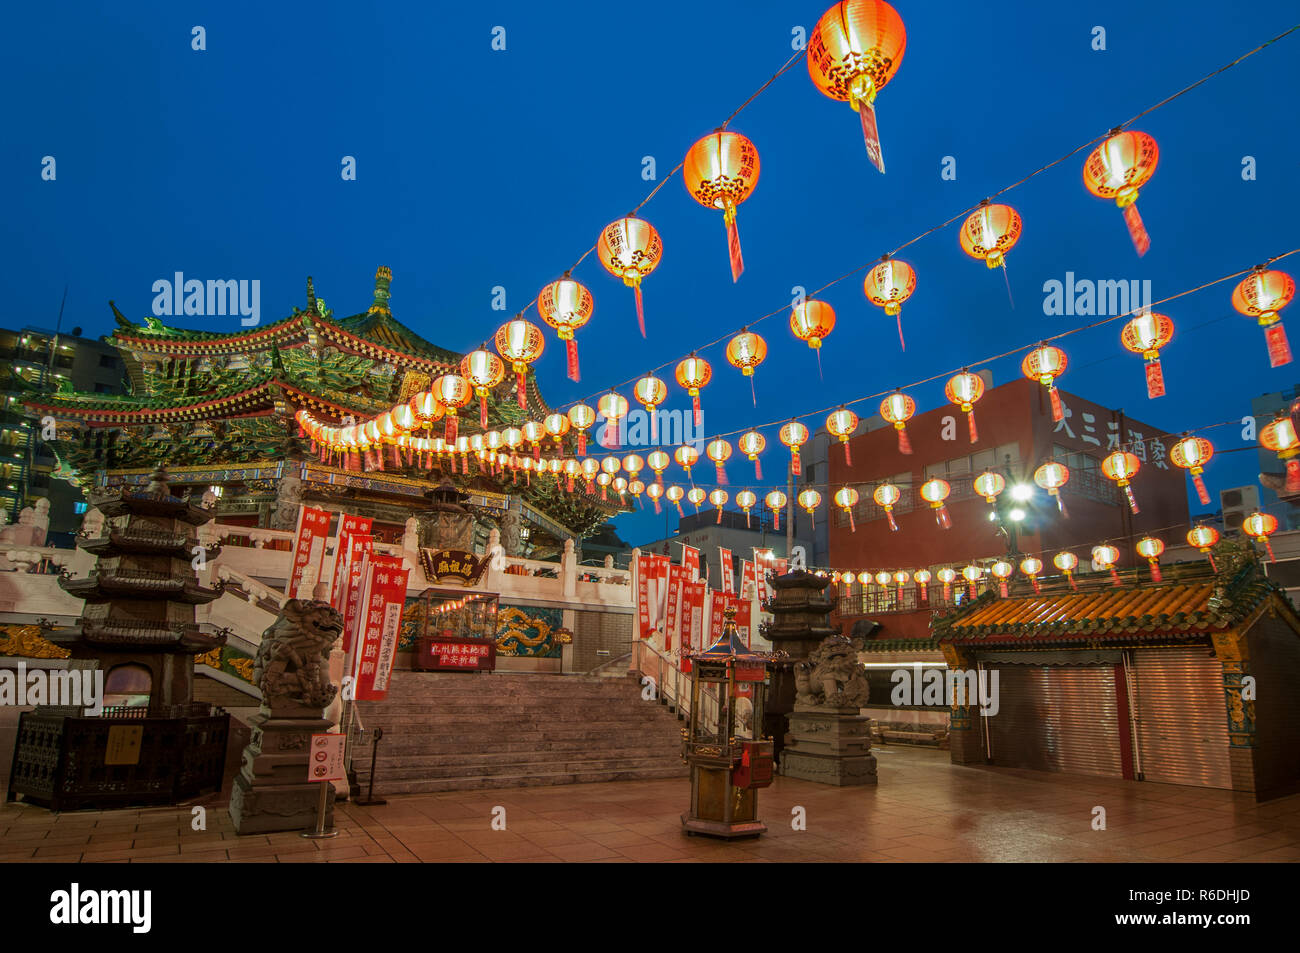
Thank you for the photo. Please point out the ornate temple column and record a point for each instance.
(1233, 652)
(965, 727)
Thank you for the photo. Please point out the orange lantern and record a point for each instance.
(720, 171)
(630, 249)
(990, 232)
(900, 577)
(935, 492)
(947, 576)
(810, 499)
(696, 496)
(922, 578)
(566, 305)
(972, 575)
(1051, 477)
(989, 484)
(604, 480)
(776, 501)
(1259, 526)
(483, 370)
(746, 351)
(846, 498)
(964, 390)
(1067, 562)
(535, 433)
(693, 373)
(426, 409)
(686, 455)
(1203, 538)
(719, 499)
(1280, 437)
(675, 494)
(650, 391)
(613, 407)
(590, 467)
(1002, 570)
(812, 321)
(453, 392)
(1116, 169)
(582, 417)
(1031, 567)
(658, 461)
(1150, 548)
(557, 425)
(1146, 335)
(719, 451)
(620, 485)
(1045, 364)
(853, 52)
(573, 468)
(1121, 466)
(842, 423)
(898, 409)
(633, 464)
(1105, 557)
(794, 435)
(888, 285)
(886, 495)
(751, 444)
(655, 491)
(1192, 454)
(746, 499)
(521, 343)
(1262, 295)
(883, 579)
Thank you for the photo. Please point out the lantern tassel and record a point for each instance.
(848, 459)
(1114, 575)
(1132, 500)
(397, 458)
(1212, 564)
(941, 517)
(746, 519)
(571, 352)
(450, 433)
(1201, 492)
(695, 403)
(568, 485)
(1007, 279)
(733, 245)
(893, 525)
(1037, 588)
(519, 390)
(1279, 351)
(1058, 412)
(719, 520)
(1136, 230)
(678, 505)
(901, 343)
(1155, 572)
(794, 463)
(852, 527)
(1060, 504)
(753, 393)
(1070, 578)
(657, 509)
(947, 591)
(582, 443)
(970, 420)
(904, 444)
(1002, 588)
(654, 425)
(605, 498)
(721, 469)
(537, 453)
(1155, 380)
(758, 469)
(871, 134)
(640, 308)
(1269, 547)
(1293, 475)
(820, 375)
(776, 519)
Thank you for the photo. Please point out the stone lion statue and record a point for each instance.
(292, 663)
(831, 677)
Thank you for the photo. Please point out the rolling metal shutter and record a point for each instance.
(1181, 718)
(1057, 718)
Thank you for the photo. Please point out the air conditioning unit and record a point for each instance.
(1237, 503)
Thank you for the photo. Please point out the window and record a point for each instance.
(810, 473)
(107, 360)
(128, 685)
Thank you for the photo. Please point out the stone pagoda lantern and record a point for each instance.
(723, 744)
(801, 620)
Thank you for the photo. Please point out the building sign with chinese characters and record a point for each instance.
(456, 655)
(452, 565)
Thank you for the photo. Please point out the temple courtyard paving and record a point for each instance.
(924, 809)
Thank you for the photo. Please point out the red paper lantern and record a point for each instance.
(613, 407)
(846, 498)
(453, 392)
(1002, 570)
(794, 435)
(1117, 168)
(935, 492)
(964, 390)
(719, 451)
(650, 391)
(1044, 364)
(720, 171)
(990, 232)
(853, 52)
(776, 501)
(630, 249)
(1031, 567)
(989, 484)
(521, 343)
(887, 286)
(693, 373)
(1146, 335)
(1203, 538)
(566, 305)
(1105, 557)
(1067, 562)
(1259, 526)
(843, 423)
(583, 418)
(751, 444)
(686, 455)
(898, 409)
(1280, 437)
(1262, 295)
(719, 499)
(886, 495)
(746, 499)
(1150, 548)
(1121, 466)
(1051, 477)
(746, 351)
(1192, 454)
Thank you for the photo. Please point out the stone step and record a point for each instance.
(524, 721)
(475, 767)
(411, 738)
(517, 752)
(476, 783)
(505, 708)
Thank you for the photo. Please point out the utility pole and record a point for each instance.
(789, 509)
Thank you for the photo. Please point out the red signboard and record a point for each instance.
(348, 525)
(728, 570)
(313, 527)
(673, 622)
(643, 571)
(350, 597)
(444, 654)
(383, 600)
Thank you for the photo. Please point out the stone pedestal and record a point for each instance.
(830, 746)
(271, 791)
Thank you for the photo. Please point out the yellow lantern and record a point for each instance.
(1002, 570)
(751, 444)
(1150, 548)
(675, 495)
(613, 407)
(964, 390)
(776, 501)
(794, 435)
(693, 373)
(887, 286)
(453, 392)
(651, 392)
(746, 351)
(686, 455)
(746, 500)
(720, 171)
(582, 417)
(655, 491)
(846, 498)
(658, 461)
(719, 499)
(842, 423)
(1031, 567)
(810, 499)
(935, 492)
(1051, 477)
(886, 495)
(898, 409)
(1105, 557)
(719, 451)
(696, 496)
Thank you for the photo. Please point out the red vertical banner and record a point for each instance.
(696, 627)
(358, 554)
(348, 525)
(691, 560)
(673, 619)
(728, 570)
(644, 569)
(716, 619)
(748, 579)
(380, 622)
(744, 615)
(313, 527)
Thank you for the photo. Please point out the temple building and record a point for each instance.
(219, 408)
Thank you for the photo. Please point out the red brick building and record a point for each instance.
(1016, 435)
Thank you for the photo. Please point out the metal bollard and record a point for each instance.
(370, 799)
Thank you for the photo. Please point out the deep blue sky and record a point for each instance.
(479, 168)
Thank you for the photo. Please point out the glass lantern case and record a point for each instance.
(723, 745)
(456, 629)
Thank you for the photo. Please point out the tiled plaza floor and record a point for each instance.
(924, 809)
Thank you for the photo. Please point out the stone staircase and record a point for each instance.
(451, 731)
